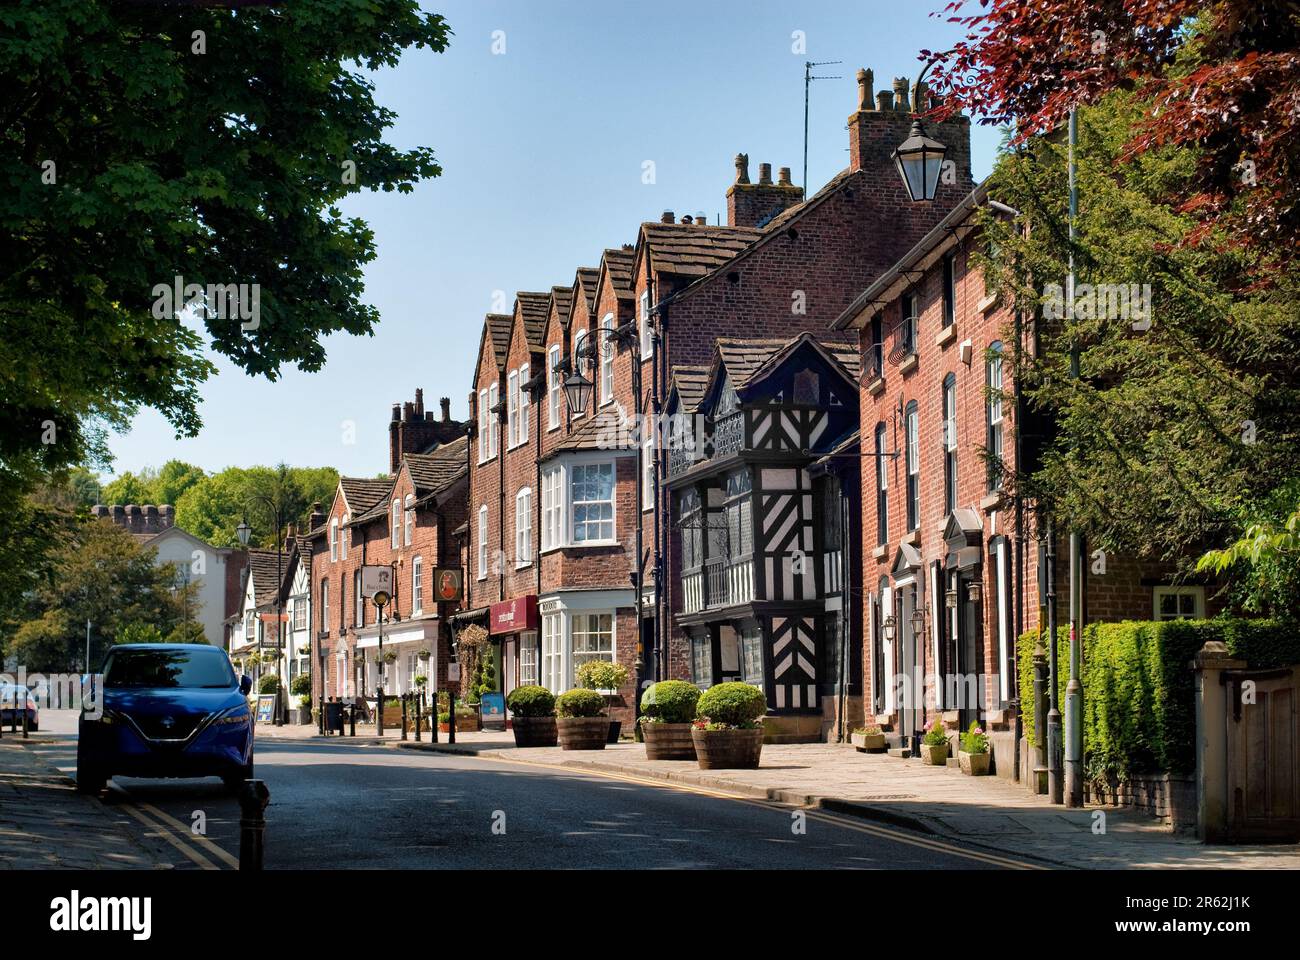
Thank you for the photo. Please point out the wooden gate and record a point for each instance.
(1263, 754)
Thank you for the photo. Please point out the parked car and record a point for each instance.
(11, 696)
(166, 710)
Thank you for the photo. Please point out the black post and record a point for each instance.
(253, 798)
(451, 716)
(1039, 772)
(405, 697)
(24, 711)
(1055, 781)
(352, 719)
(418, 697)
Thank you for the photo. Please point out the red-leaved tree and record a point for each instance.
(1219, 76)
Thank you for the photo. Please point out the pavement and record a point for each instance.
(46, 825)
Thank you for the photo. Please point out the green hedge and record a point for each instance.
(1139, 710)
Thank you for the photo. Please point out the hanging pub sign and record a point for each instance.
(511, 616)
(448, 584)
(376, 579)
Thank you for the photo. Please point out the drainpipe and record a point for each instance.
(846, 612)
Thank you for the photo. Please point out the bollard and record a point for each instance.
(253, 798)
(419, 697)
(322, 715)
(451, 716)
(25, 721)
(352, 719)
(433, 716)
(404, 699)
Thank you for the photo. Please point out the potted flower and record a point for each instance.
(533, 716)
(300, 687)
(304, 649)
(582, 723)
(424, 655)
(667, 712)
(934, 745)
(390, 656)
(728, 730)
(974, 753)
(605, 677)
(868, 739)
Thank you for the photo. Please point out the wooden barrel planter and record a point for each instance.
(583, 733)
(668, 741)
(728, 749)
(535, 731)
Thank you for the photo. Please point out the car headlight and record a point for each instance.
(233, 715)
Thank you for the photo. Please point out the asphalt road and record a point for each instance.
(340, 805)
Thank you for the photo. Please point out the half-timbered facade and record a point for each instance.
(750, 510)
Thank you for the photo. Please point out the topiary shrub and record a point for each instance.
(300, 686)
(269, 684)
(601, 675)
(736, 706)
(669, 701)
(531, 701)
(580, 703)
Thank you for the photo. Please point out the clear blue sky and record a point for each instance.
(542, 150)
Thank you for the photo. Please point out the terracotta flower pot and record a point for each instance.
(668, 741)
(583, 733)
(868, 742)
(728, 749)
(535, 731)
(973, 764)
(934, 754)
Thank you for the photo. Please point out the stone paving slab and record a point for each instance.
(46, 825)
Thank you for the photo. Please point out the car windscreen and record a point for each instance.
(168, 668)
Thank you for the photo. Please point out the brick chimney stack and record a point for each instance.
(415, 430)
(445, 403)
(754, 204)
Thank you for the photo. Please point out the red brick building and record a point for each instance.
(405, 521)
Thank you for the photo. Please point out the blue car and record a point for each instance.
(166, 710)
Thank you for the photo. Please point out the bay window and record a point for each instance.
(553, 678)
(591, 496)
(593, 638)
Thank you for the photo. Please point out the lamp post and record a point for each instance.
(918, 647)
(919, 159)
(380, 600)
(244, 532)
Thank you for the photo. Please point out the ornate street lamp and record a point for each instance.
(889, 627)
(244, 531)
(919, 160)
(577, 390)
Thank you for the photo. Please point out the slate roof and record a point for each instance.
(533, 309)
(746, 357)
(363, 493)
(599, 432)
(262, 568)
(588, 277)
(691, 381)
(562, 300)
(498, 327)
(434, 472)
(689, 250)
(619, 264)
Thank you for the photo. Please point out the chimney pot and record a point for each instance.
(687, 218)
(866, 81)
(419, 403)
(900, 93)
(627, 246)
(742, 168)
(783, 177)
(702, 219)
(667, 217)
(397, 412)
(884, 101)
(408, 408)
(445, 402)
(764, 173)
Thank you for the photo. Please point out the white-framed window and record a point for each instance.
(912, 455)
(395, 526)
(553, 678)
(345, 536)
(334, 539)
(994, 378)
(524, 527)
(299, 614)
(512, 410)
(591, 501)
(408, 518)
(553, 387)
(648, 470)
(482, 541)
(524, 376)
(552, 507)
(607, 359)
(358, 599)
(494, 422)
(643, 325)
(324, 606)
(593, 638)
(1179, 603)
(484, 429)
(417, 585)
(579, 338)
(527, 658)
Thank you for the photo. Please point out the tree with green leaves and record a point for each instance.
(1181, 423)
(98, 573)
(213, 508)
(145, 146)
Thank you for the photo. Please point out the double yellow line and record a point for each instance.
(180, 836)
(813, 813)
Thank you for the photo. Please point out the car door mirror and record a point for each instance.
(245, 684)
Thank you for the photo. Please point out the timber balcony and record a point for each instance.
(726, 436)
(719, 582)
